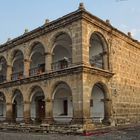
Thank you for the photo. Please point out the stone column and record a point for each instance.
(77, 104)
(26, 67)
(48, 62)
(9, 73)
(48, 111)
(27, 112)
(77, 112)
(105, 61)
(9, 112)
(107, 110)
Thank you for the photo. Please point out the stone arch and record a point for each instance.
(54, 35)
(3, 69)
(62, 102)
(33, 44)
(18, 105)
(98, 51)
(2, 106)
(13, 53)
(37, 58)
(37, 99)
(100, 107)
(61, 51)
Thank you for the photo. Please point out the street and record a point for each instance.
(132, 133)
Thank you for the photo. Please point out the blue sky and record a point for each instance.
(16, 15)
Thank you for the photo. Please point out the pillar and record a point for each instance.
(48, 111)
(107, 110)
(48, 62)
(27, 112)
(26, 67)
(9, 112)
(9, 72)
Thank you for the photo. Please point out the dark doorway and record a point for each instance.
(65, 105)
(14, 111)
(41, 110)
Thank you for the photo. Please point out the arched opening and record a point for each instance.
(98, 51)
(2, 107)
(97, 103)
(62, 107)
(3, 69)
(62, 52)
(37, 65)
(18, 106)
(37, 105)
(18, 65)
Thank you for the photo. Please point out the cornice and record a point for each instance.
(61, 73)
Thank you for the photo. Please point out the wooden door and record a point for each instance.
(41, 110)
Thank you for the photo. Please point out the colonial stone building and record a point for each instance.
(77, 69)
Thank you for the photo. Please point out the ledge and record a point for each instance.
(59, 73)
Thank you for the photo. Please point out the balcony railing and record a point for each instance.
(2, 78)
(61, 64)
(97, 61)
(37, 70)
(17, 75)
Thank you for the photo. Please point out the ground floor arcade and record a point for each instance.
(60, 108)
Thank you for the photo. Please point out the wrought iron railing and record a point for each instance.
(37, 70)
(2, 78)
(62, 64)
(17, 75)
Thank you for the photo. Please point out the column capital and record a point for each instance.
(47, 53)
(48, 100)
(27, 102)
(106, 100)
(27, 60)
(10, 66)
(8, 103)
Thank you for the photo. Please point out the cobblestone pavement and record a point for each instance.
(124, 134)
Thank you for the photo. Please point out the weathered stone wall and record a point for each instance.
(124, 55)
(125, 83)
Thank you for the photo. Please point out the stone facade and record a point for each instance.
(114, 71)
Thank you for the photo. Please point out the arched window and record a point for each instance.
(37, 104)
(100, 109)
(98, 51)
(37, 65)
(17, 106)
(62, 107)
(18, 65)
(62, 52)
(2, 107)
(3, 69)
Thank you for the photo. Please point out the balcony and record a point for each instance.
(17, 75)
(37, 70)
(61, 64)
(2, 78)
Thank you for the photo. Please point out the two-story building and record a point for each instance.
(77, 69)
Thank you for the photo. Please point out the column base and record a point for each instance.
(48, 121)
(106, 121)
(86, 123)
(81, 120)
(28, 121)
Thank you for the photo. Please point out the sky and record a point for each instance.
(18, 15)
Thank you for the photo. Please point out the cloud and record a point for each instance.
(135, 31)
(124, 26)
